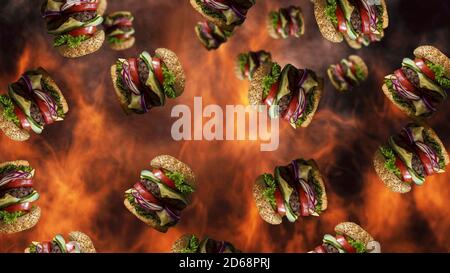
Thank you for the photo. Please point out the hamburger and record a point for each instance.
(295, 190)
(409, 157)
(247, 63)
(78, 243)
(17, 195)
(145, 82)
(74, 25)
(162, 193)
(350, 238)
(31, 103)
(292, 93)
(359, 22)
(420, 85)
(286, 22)
(189, 243)
(210, 35)
(119, 30)
(348, 73)
(225, 14)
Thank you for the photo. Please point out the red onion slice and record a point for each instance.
(408, 133)
(431, 154)
(144, 203)
(403, 92)
(215, 5)
(312, 201)
(126, 77)
(14, 175)
(301, 104)
(222, 246)
(50, 13)
(172, 214)
(27, 81)
(428, 105)
(71, 3)
(48, 100)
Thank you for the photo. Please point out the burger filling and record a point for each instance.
(232, 12)
(72, 22)
(413, 154)
(287, 22)
(340, 244)
(57, 245)
(160, 195)
(210, 35)
(32, 102)
(16, 192)
(290, 93)
(144, 82)
(346, 74)
(119, 27)
(251, 61)
(419, 85)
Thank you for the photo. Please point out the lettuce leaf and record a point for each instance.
(439, 74)
(169, 81)
(360, 247)
(271, 78)
(359, 73)
(69, 40)
(55, 95)
(396, 97)
(243, 59)
(114, 40)
(138, 208)
(380, 12)
(390, 159)
(10, 167)
(180, 182)
(436, 147)
(269, 192)
(274, 18)
(10, 217)
(309, 108)
(192, 246)
(330, 11)
(8, 110)
(318, 191)
(210, 12)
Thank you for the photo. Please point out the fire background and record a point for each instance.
(84, 164)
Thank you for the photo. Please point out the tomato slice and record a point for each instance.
(134, 71)
(43, 107)
(342, 24)
(18, 207)
(320, 249)
(404, 81)
(426, 162)
(365, 21)
(22, 118)
(304, 204)
(157, 67)
(343, 242)
(145, 193)
(281, 209)
(279, 30)
(339, 70)
(166, 180)
(123, 22)
(88, 31)
(425, 69)
(290, 111)
(246, 70)
(352, 67)
(122, 36)
(403, 170)
(82, 7)
(46, 247)
(269, 100)
(23, 183)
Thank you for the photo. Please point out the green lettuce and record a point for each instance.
(274, 18)
(308, 110)
(396, 97)
(360, 247)
(10, 217)
(32, 248)
(119, 83)
(114, 40)
(69, 40)
(390, 159)
(243, 60)
(192, 246)
(10, 167)
(269, 192)
(380, 12)
(210, 12)
(138, 208)
(436, 147)
(55, 95)
(439, 73)
(169, 81)
(318, 191)
(180, 183)
(8, 109)
(271, 78)
(360, 75)
(330, 11)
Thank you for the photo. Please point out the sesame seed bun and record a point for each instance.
(85, 243)
(11, 130)
(172, 164)
(101, 8)
(317, 96)
(319, 178)
(120, 97)
(22, 223)
(123, 45)
(352, 43)
(86, 47)
(360, 62)
(48, 80)
(256, 88)
(172, 62)
(391, 181)
(435, 56)
(150, 222)
(181, 243)
(385, 15)
(265, 209)
(354, 231)
(16, 163)
(326, 27)
(409, 112)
